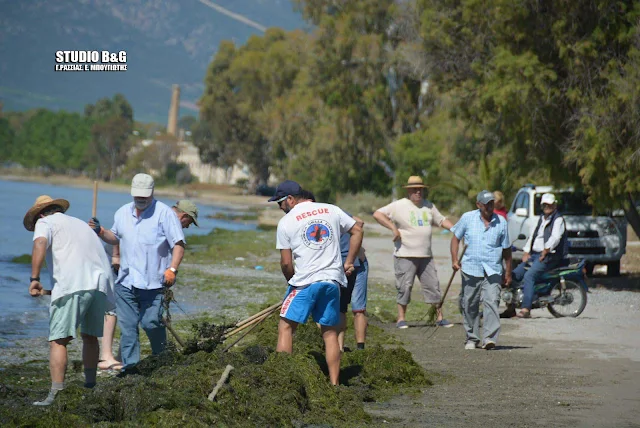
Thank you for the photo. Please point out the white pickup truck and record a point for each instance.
(599, 239)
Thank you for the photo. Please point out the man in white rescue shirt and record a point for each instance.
(82, 285)
(308, 238)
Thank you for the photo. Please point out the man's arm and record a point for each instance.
(359, 221)
(355, 242)
(176, 258)
(554, 239)
(385, 221)
(286, 263)
(506, 256)
(177, 254)
(455, 245)
(446, 224)
(37, 259)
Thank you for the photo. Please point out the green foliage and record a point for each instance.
(52, 141)
(112, 125)
(552, 87)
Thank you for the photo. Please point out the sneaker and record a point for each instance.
(470, 345)
(444, 323)
(489, 345)
(402, 324)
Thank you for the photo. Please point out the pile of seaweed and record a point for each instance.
(265, 388)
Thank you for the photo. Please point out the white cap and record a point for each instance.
(142, 185)
(548, 198)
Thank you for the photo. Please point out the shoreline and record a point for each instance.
(208, 194)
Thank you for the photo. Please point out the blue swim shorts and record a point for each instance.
(321, 300)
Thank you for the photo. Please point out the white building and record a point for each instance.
(208, 173)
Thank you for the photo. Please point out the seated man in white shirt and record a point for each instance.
(546, 249)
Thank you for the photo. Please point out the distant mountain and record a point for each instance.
(167, 42)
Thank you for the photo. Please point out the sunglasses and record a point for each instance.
(280, 201)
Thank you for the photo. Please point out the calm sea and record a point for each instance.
(22, 316)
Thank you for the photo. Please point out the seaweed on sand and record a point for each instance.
(265, 388)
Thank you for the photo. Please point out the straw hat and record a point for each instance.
(42, 202)
(414, 182)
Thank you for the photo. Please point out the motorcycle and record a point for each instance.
(563, 291)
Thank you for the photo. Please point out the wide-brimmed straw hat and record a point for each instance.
(42, 202)
(414, 182)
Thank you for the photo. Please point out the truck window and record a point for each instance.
(569, 203)
(521, 201)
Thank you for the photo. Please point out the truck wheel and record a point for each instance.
(613, 268)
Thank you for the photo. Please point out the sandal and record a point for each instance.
(115, 367)
(524, 314)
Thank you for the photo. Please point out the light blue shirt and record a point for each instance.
(484, 243)
(146, 244)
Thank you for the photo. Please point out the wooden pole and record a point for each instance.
(94, 207)
(446, 290)
(231, 345)
(262, 312)
(223, 379)
(175, 335)
(250, 323)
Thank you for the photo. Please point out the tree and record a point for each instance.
(553, 84)
(111, 134)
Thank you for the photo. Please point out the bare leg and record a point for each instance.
(332, 352)
(402, 311)
(58, 359)
(343, 329)
(438, 311)
(107, 358)
(286, 328)
(360, 326)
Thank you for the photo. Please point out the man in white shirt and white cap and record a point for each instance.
(151, 249)
(547, 248)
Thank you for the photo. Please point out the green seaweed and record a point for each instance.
(265, 388)
(24, 259)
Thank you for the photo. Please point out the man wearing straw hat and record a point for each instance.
(411, 220)
(82, 285)
(187, 213)
(152, 246)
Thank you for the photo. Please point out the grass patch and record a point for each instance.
(224, 245)
(235, 216)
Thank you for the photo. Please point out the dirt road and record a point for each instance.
(582, 372)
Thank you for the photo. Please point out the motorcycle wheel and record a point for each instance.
(569, 304)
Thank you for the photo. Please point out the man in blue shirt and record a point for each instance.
(487, 239)
(151, 249)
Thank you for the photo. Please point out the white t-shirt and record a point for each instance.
(414, 225)
(312, 232)
(76, 259)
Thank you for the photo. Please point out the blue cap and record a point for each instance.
(485, 197)
(284, 189)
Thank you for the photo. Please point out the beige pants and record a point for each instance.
(406, 270)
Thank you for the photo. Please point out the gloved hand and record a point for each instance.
(94, 224)
(169, 278)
